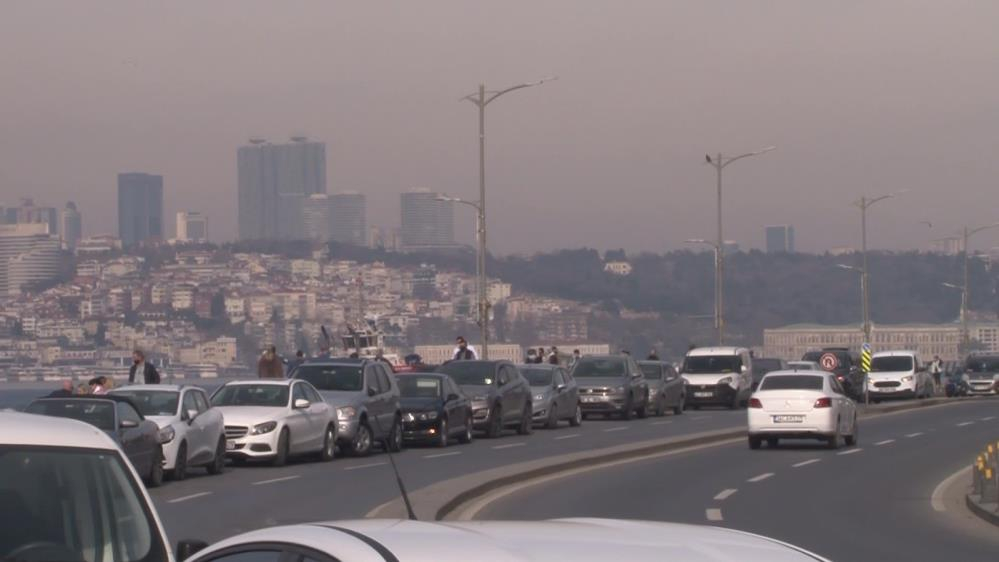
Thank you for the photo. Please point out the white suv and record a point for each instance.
(191, 430)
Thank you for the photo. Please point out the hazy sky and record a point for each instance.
(859, 97)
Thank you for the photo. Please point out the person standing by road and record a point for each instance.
(296, 362)
(553, 357)
(936, 369)
(64, 391)
(463, 352)
(139, 365)
(653, 356)
(269, 366)
(576, 356)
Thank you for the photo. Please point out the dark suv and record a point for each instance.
(843, 363)
(500, 395)
(611, 384)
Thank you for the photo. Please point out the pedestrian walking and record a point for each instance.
(936, 369)
(140, 366)
(269, 366)
(462, 351)
(295, 363)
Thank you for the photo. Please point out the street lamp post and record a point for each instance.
(863, 204)
(966, 290)
(717, 249)
(480, 280)
(719, 162)
(863, 302)
(964, 311)
(481, 99)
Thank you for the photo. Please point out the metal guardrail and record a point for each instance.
(985, 475)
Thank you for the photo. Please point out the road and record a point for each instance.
(871, 502)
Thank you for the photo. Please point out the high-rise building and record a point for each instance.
(780, 239)
(316, 217)
(274, 180)
(28, 254)
(28, 213)
(348, 214)
(192, 226)
(71, 226)
(427, 223)
(140, 208)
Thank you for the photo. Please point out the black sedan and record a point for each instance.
(434, 409)
(117, 416)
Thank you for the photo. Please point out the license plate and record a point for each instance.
(789, 419)
(590, 399)
(230, 445)
(703, 394)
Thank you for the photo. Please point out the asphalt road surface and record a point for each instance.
(871, 502)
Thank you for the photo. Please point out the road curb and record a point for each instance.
(981, 511)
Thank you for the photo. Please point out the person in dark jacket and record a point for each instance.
(553, 358)
(653, 356)
(270, 366)
(149, 373)
(463, 352)
(295, 363)
(66, 390)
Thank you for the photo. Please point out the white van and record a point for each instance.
(898, 374)
(718, 376)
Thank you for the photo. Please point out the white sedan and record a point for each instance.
(275, 419)
(801, 405)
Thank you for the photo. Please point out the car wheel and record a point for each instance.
(328, 451)
(495, 427)
(217, 465)
(394, 442)
(772, 442)
(442, 436)
(361, 445)
(552, 422)
(755, 442)
(679, 408)
(466, 436)
(735, 402)
(282, 449)
(629, 410)
(526, 426)
(180, 465)
(833, 441)
(155, 478)
(854, 437)
(577, 418)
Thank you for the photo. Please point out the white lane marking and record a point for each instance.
(937, 499)
(509, 446)
(805, 463)
(990, 418)
(619, 428)
(191, 497)
(713, 514)
(885, 442)
(725, 494)
(439, 455)
(360, 466)
(962, 424)
(850, 452)
(570, 436)
(761, 477)
(273, 480)
(664, 422)
(917, 434)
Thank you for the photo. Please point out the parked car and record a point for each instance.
(804, 366)
(67, 492)
(611, 384)
(764, 365)
(957, 385)
(554, 394)
(434, 409)
(802, 405)
(667, 389)
(843, 363)
(718, 376)
(982, 370)
(191, 430)
(118, 417)
(500, 395)
(366, 397)
(275, 419)
(898, 374)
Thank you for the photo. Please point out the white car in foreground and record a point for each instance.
(580, 540)
(191, 430)
(275, 419)
(801, 405)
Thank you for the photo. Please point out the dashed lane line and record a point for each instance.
(664, 422)
(191, 497)
(439, 455)
(917, 434)
(990, 418)
(761, 477)
(713, 514)
(805, 463)
(699, 418)
(360, 466)
(509, 446)
(619, 428)
(725, 494)
(273, 480)
(850, 452)
(885, 442)
(570, 436)
(962, 424)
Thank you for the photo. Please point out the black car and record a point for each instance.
(764, 365)
(843, 363)
(611, 384)
(500, 395)
(434, 409)
(117, 416)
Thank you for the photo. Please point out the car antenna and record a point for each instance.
(398, 478)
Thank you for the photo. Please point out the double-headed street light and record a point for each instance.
(481, 99)
(719, 162)
(480, 280)
(863, 203)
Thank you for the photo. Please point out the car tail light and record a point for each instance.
(755, 403)
(823, 403)
(840, 378)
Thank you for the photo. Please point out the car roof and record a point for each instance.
(51, 431)
(798, 372)
(273, 382)
(895, 353)
(424, 374)
(717, 350)
(336, 361)
(152, 387)
(500, 541)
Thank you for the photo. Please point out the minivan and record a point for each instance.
(898, 374)
(718, 376)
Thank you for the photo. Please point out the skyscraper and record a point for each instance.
(780, 239)
(349, 218)
(274, 181)
(140, 208)
(28, 254)
(71, 226)
(192, 226)
(316, 217)
(426, 222)
(28, 213)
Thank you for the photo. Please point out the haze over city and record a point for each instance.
(859, 98)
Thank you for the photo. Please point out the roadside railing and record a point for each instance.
(985, 475)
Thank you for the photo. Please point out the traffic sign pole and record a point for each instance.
(865, 366)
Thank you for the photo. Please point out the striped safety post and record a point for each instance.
(865, 366)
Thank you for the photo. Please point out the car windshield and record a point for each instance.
(985, 364)
(416, 386)
(84, 501)
(272, 395)
(791, 382)
(651, 370)
(599, 367)
(470, 373)
(537, 377)
(98, 413)
(152, 402)
(710, 364)
(891, 364)
(347, 378)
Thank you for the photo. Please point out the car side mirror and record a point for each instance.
(372, 391)
(128, 424)
(743, 369)
(188, 548)
(302, 404)
(452, 397)
(191, 414)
